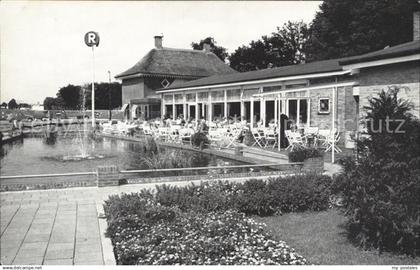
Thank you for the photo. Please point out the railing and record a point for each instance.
(46, 175)
(105, 173)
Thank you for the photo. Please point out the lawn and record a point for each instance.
(320, 237)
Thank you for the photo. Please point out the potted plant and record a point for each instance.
(312, 158)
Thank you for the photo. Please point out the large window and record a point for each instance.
(298, 111)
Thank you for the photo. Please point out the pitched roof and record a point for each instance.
(180, 63)
(292, 70)
(404, 49)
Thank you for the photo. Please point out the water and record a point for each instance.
(42, 155)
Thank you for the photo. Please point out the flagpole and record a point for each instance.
(93, 87)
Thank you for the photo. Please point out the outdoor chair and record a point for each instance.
(231, 136)
(294, 138)
(270, 137)
(333, 137)
(259, 137)
(323, 135)
(215, 137)
(185, 134)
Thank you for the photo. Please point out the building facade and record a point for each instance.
(327, 94)
(161, 68)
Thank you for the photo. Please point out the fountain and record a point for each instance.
(82, 140)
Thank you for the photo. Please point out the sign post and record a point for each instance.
(92, 40)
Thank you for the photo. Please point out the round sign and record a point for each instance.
(92, 39)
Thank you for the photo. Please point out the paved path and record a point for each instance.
(60, 226)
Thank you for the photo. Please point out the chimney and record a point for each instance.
(158, 42)
(416, 25)
(206, 47)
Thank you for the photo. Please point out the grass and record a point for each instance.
(321, 238)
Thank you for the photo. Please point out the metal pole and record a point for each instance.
(109, 95)
(93, 87)
(333, 125)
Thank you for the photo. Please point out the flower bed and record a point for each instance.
(145, 232)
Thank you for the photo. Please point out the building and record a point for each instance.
(160, 68)
(325, 94)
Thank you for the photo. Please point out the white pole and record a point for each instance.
(279, 125)
(333, 125)
(275, 110)
(252, 112)
(225, 105)
(93, 87)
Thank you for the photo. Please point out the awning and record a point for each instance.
(124, 107)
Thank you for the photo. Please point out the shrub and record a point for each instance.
(300, 193)
(200, 139)
(253, 197)
(189, 237)
(301, 153)
(381, 189)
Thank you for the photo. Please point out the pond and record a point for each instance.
(62, 154)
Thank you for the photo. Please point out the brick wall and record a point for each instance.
(405, 75)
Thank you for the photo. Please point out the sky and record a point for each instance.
(42, 43)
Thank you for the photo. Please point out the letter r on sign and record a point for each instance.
(91, 38)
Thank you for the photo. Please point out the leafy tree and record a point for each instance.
(25, 105)
(102, 95)
(217, 50)
(344, 28)
(70, 95)
(284, 47)
(51, 103)
(12, 104)
(381, 189)
(4, 105)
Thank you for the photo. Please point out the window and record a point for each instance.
(324, 106)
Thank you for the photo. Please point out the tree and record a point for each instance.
(217, 50)
(284, 47)
(380, 190)
(344, 28)
(25, 105)
(102, 95)
(51, 103)
(70, 95)
(4, 105)
(12, 104)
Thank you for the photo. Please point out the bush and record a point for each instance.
(381, 188)
(199, 138)
(253, 197)
(301, 153)
(145, 235)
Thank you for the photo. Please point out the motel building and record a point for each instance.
(327, 94)
(161, 68)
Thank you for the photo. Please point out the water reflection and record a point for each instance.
(45, 155)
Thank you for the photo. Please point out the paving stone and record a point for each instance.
(88, 248)
(94, 262)
(44, 228)
(59, 254)
(34, 252)
(8, 254)
(88, 240)
(88, 257)
(58, 262)
(62, 238)
(28, 260)
(35, 237)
